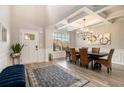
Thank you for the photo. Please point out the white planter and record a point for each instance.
(16, 54)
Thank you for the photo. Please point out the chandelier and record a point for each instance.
(84, 32)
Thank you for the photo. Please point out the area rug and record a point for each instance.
(54, 76)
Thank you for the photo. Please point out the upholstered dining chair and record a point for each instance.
(84, 57)
(107, 62)
(93, 58)
(73, 56)
(84, 48)
(95, 50)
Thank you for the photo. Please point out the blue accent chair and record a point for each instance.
(13, 76)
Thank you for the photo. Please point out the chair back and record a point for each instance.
(67, 53)
(95, 50)
(110, 56)
(84, 48)
(84, 56)
(73, 54)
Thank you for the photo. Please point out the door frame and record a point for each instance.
(20, 40)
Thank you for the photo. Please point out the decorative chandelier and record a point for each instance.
(84, 32)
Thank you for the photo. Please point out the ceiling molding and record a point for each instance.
(97, 17)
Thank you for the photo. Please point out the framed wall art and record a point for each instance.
(0, 32)
(100, 39)
(4, 33)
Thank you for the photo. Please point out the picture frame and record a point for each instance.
(4, 33)
(100, 39)
(0, 32)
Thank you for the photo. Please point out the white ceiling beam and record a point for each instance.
(105, 8)
(96, 25)
(75, 13)
(98, 16)
(63, 27)
(120, 19)
(63, 22)
(116, 14)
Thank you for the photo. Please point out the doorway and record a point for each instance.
(30, 52)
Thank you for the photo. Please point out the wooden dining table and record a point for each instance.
(90, 53)
(93, 56)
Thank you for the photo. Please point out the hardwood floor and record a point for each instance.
(97, 78)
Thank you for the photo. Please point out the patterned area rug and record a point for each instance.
(54, 76)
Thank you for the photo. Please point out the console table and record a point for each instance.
(15, 56)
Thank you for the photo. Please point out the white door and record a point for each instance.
(30, 39)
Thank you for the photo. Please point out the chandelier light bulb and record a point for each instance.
(84, 31)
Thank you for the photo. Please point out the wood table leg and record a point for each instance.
(92, 64)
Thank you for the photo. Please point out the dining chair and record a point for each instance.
(84, 57)
(67, 54)
(73, 56)
(95, 50)
(107, 62)
(94, 58)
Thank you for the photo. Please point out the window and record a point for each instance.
(60, 41)
(29, 36)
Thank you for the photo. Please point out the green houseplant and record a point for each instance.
(16, 49)
(50, 57)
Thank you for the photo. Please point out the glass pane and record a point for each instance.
(29, 36)
(60, 41)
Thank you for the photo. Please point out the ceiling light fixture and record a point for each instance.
(84, 32)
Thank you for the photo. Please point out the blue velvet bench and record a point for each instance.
(13, 76)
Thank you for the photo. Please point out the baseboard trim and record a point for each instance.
(59, 58)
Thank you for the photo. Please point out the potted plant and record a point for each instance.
(50, 57)
(16, 49)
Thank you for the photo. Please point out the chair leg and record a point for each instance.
(96, 66)
(99, 66)
(80, 64)
(87, 66)
(108, 70)
(92, 65)
(75, 62)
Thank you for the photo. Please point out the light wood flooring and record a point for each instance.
(97, 78)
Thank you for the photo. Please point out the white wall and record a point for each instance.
(72, 39)
(4, 46)
(56, 13)
(117, 36)
(29, 17)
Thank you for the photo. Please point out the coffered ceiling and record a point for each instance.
(94, 15)
(67, 17)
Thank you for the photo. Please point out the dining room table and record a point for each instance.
(93, 56)
(90, 53)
